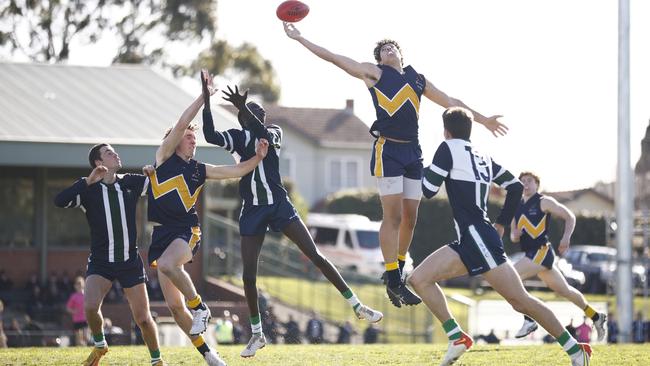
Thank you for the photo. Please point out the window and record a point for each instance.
(343, 173)
(368, 239)
(326, 236)
(17, 214)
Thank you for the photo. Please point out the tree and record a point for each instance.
(44, 31)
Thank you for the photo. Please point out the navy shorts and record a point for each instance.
(544, 255)
(255, 220)
(394, 159)
(128, 274)
(162, 236)
(480, 248)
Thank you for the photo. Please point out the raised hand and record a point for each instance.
(238, 100)
(148, 170)
(96, 175)
(291, 30)
(208, 88)
(262, 148)
(497, 128)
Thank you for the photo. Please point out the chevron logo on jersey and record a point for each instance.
(175, 183)
(533, 230)
(392, 105)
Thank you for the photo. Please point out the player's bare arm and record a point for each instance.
(556, 209)
(365, 71)
(515, 233)
(440, 98)
(168, 146)
(241, 169)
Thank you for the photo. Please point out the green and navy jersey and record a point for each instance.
(533, 223)
(174, 188)
(467, 175)
(262, 186)
(110, 211)
(396, 97)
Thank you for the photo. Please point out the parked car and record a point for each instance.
(351, 242)
(574, 277)
(599, 266)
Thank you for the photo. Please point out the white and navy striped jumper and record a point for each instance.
(262, 186)
(110, 211)
(467, 175)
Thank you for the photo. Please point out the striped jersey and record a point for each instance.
(263, 185)
(532, 222)
(110, 211)
(396, 97)
(174, 188)
(467, 175)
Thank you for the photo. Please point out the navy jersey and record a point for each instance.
(262, 186)
(110, 211)
(467, 175)
(173, 191)
(396, 97)
(532, 222)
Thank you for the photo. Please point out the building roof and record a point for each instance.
(324, 127)
(566, 196)
(123, 104)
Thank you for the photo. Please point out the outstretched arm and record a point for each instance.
(550, 205)
(71, 196)
(211, 135)
(365, 71)
(168, 146)
(439, 97)
(241, 169)
(249, 119)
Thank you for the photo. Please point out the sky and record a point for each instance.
(548, 66)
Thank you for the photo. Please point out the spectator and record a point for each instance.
(571, 329)
(223, 329)
(315, 330)
(75, 307)
(638, 329)
(112, 332)
(5, 282)
(53, 295)
(65, 285)
(292, 332)
(490, 338)
(15, 336)
(237, 329)
(270, 324)
(371, 334)
(36, 302)
(33, 333)
(548, 339)
(3, 336)
(612, 329)
(32, 283)
(583, 332)
(345, 333)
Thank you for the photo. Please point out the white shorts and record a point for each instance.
(409, 188)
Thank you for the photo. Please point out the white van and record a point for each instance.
(351, 242)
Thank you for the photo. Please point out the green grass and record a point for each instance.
(357, 355)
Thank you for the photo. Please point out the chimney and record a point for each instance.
(349, 105)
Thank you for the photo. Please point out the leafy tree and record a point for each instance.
(44, 31)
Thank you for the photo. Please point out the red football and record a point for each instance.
(292, 11)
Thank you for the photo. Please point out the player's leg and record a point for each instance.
(250, 252)
(507, 283)
(556, 282)
(442, 264)
(96, 289)
(296, 231)
(170, 263)
(139, 304)
(526, 268)
(183, 317)
(411, 195)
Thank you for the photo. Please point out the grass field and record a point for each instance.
(354, 355)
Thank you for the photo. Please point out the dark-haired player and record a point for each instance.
(467, 175)
(396, 158)
(109, 201)
(266, 205)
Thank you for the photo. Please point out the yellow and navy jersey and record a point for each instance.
(173, 191)
(262, 186)
(396, 97)
(533, 223)
(110, 211)
(467, 175)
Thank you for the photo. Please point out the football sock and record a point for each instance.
(392, 273)
(591, 313)
(352, 298)
(568, 343)
(195, 303)
(256, 324)
(452, 329)
(200, 345)
(155, 356)
(401, 261)
(99, 340)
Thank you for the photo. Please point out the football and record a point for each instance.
(292, 11)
